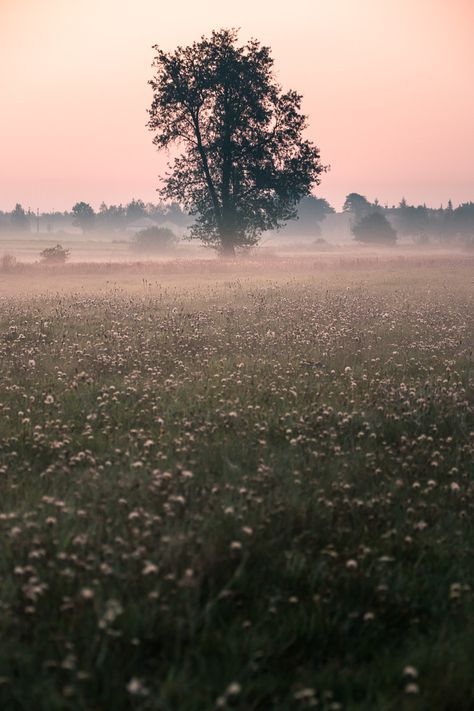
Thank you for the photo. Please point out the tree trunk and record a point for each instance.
(228, 242)
(227, 248)
(228, 236)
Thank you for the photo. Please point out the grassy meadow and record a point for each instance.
(238, 487)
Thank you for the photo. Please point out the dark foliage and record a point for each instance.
(244, 164)
(154, 239)
(55, 255)
(135, 210)
(357, 206)
(112, 217)
(461, 221)
(374, 228)
(311, 212)
(19, 221)
(84, 216)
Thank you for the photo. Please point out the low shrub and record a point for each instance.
(55, 255)
(154, 240)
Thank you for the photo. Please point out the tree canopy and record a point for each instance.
(357, 205)
(311, 212)
(243, 163)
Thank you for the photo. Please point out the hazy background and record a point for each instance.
(387, 86)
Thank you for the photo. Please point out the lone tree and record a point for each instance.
(374, 228)
(243, 164)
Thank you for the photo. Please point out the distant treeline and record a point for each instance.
(109, 218)
(371, 221)
(420, 223)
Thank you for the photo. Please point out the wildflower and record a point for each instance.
(454, 591)
(113, 609)
(149, 568)
(87, 593)
(135, 687)
(410, 671)
(420, 525)
(304, 694)
(233, 689)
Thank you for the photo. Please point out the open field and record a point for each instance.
(113, 249)
(238, 486)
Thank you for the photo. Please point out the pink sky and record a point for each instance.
(387, 85)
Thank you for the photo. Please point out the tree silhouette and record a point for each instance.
(84, 216)
(311, 212)
(463, 219)
(19, 220)
(136, 210)
(413, 221)
(111, 217)
(154, 239)
(244, 164)
(357, 205)
(374, 228)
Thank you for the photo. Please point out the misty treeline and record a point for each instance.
(107, 219)
(419, 223)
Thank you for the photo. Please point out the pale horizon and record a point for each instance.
(387, 91)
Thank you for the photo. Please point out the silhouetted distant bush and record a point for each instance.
(55, 255)
(154, 239)
(374, 229)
